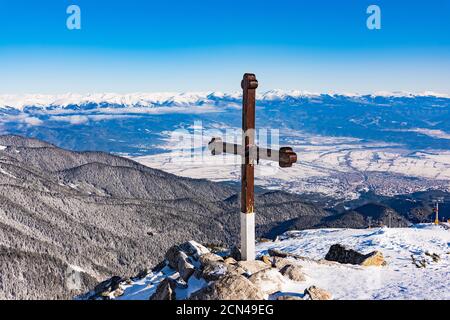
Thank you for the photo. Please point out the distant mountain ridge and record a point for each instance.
(70, 100)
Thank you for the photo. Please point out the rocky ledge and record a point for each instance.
(192, 271)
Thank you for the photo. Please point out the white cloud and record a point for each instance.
(32, 121)
(101, 117)
(71, 119)
(82, 119)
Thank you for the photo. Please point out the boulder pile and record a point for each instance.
(218, 276)
(226, 278)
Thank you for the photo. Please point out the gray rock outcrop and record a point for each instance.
(341, 254)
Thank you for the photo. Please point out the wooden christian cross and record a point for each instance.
(250, 154)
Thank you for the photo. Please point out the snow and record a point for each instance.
(133, 99)
(7, 173)
(2, 148)
(399, 279)
(143, 288)
(76, 268)
(404, 94)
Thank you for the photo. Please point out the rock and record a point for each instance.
(104, 295)
(229, 287)
(314, 293)
(107, 286)
(159, 266)
(341, 254)
(172, 256)
(165, 290)
(210, 257)
(286, 255)
(266, 260)
(253, 266)
(214, 270)
(326, 262)
(268, 281)
(194, 249)
(374, 258)
(197, 273)
(281, 254)
(280, 263)
(289, 298)
(293, 272)
(180, 261)
(419, 263)
(235, 269)
(185, 268)
(217, 248)
(181, 284)
(434, 256)
(235, 253)
(142, 274)
(118, 292)
(230, 260)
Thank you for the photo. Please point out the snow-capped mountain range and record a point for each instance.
(20, 102)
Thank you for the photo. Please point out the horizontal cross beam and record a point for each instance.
(285, 156)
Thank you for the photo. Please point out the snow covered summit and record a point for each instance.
(418, 267)
(399, 279)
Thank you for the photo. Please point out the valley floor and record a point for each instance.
(399, 279)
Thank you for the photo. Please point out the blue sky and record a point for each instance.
(199, 45)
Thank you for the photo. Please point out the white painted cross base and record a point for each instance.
(247, 236)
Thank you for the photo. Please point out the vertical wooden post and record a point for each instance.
(249, 85)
